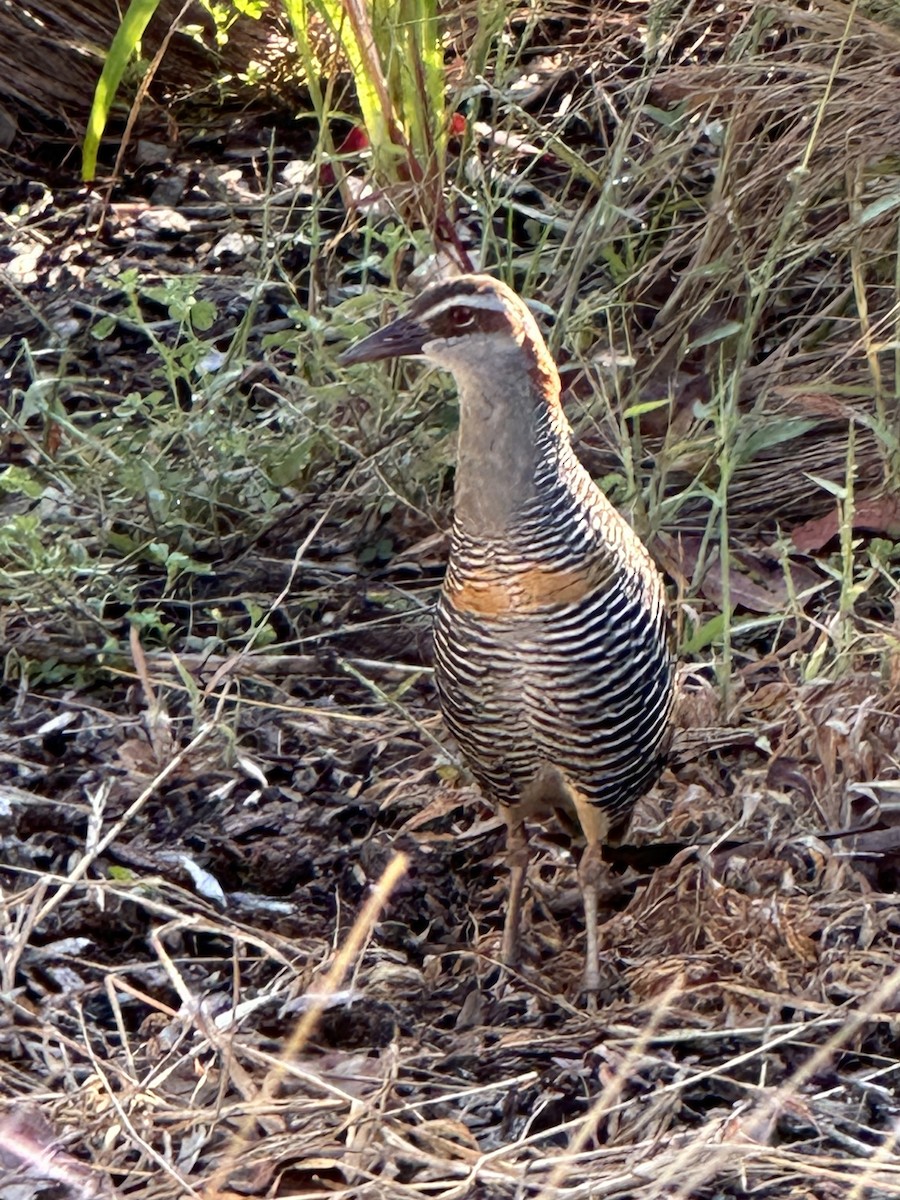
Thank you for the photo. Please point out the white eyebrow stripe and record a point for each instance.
(489, 303)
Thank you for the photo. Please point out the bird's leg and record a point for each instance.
(589, 871)
(595, 826)
(517, 861)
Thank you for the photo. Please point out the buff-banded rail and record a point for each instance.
(553, 657)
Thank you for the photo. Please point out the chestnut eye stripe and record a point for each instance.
(457, 300)
(479, 314)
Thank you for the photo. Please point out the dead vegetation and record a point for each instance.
(219, 743)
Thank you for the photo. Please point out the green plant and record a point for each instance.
(395, 58)
(124, 44)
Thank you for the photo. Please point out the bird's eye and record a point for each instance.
(461, 318)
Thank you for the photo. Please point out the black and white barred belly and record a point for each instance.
(584, 687)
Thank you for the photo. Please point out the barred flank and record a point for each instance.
(584, 686)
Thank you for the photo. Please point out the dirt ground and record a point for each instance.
(207, 986)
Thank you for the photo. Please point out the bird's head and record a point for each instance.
(470, 325)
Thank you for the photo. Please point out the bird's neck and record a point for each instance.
(511, 438)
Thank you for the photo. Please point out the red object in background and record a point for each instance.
(357, 139)
(354, 142)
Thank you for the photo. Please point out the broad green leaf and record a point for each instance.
(17, 481)
(203, 314)
(123, 46)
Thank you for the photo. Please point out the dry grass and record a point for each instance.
(250, 913)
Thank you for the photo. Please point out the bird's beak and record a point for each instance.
(401, 337)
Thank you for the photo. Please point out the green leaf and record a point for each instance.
(17, 481)
(397, 63)
(121, 874)
(882, 205)
(264, 635)
(179, 562)
(123, 46)
(704, 635)
(122, 543)
(637, 410)
(775, 434)
(103, 328)
(836, 489)
(716, 335)
(203, 314)
(666, 118)
(289, 468)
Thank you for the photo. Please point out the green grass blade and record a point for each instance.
(298, 15)
(352, 23)
(123, 46)
(394, 53)
(421, 85)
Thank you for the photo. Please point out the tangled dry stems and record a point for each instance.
(748, 1037)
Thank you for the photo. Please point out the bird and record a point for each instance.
(553, 650)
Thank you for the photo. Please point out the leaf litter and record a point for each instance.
(208, 988)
